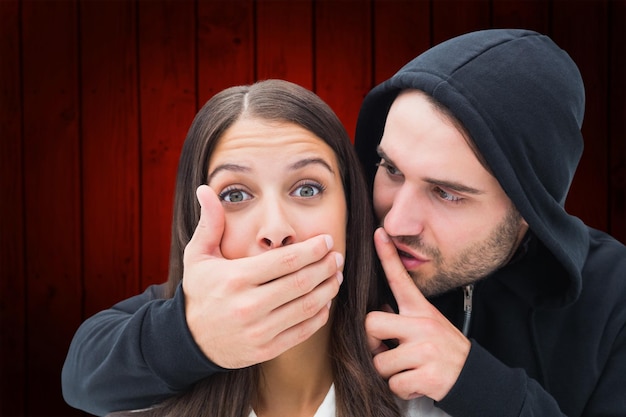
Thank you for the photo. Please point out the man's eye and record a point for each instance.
(234, 196)
(307, 190)
(391, 170)
(447, 196)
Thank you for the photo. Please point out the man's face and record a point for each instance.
(449, 218)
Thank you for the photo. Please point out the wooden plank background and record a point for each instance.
(97, 96)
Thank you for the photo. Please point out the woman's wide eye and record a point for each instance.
(234, 196)
(307, 190)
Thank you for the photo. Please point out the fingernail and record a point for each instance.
(338, 259)
(339, 276)
(329, 241)
(383, 235)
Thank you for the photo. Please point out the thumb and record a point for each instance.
(210, 229)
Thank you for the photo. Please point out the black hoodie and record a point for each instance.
(548, 330)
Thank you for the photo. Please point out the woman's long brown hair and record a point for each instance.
(360, 391)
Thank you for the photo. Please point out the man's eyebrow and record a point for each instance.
(454, 186)
(382, 153)
(451, 185)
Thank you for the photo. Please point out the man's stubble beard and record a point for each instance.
(474, 263)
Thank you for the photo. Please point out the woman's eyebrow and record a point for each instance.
(227, 167)
(232, 167)
(308, 161)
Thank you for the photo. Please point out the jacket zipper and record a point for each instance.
(468, 294)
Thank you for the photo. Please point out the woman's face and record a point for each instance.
(279, 184)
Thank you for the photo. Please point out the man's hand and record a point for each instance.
(246, 311)
(431, 351)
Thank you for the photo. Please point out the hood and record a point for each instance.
(521, 98)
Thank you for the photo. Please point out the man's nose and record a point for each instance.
(406, 216)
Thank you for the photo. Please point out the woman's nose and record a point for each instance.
(275, 229)
(270, 244)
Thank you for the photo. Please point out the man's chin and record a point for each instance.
(422, 282)
(430, 286)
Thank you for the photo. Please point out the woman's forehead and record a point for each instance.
(259, 141)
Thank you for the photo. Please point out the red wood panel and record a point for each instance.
(401, 32)
(225, 46)
(451, 18)
(12, 294)
(343, 56)
(522, 14)
(168, 104)
(110, 164)
(52, 198)
(284, 41)
(589, 49)
(138, 102)
(617, 119)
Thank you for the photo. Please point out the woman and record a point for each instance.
(284, 169)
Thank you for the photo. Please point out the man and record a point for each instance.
(476, 142)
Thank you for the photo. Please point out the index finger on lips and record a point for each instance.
(409, 298)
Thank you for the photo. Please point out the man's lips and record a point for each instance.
(410, 259)
(406, 251)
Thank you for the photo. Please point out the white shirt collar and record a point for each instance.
(326, 409)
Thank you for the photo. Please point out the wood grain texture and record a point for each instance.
(225, 46)
(451, 18)
(12, 274)
(97, 97)
(110, 152)
(284, 41)
(617, 119)
(532, 15)
(401, 32)
(52, 197)
(167, 78)
(343, 56)
(588, 197)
